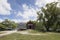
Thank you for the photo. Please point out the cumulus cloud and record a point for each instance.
(31, 12)
(18, 20)
(4, 7)
(1, 20)
(28, 12)
(50, 1)
(41, 3)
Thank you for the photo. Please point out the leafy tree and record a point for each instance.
(50, 15)
(9, 24)
(2, 27)
(14, 25)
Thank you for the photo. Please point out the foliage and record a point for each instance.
(2, 27)
(39, 26)
(50, 16)
(7, 24)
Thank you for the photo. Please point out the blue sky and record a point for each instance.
(21, 10)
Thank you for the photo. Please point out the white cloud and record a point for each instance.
(19, 14)
(4, 7)
(41, 3)
(31, 12)
(18, 20)
(25, 7)
(28, 12)
(1, 20)
(51, 1)
(15, 20)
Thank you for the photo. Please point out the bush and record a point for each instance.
(40, 27)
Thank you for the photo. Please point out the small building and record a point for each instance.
(30, 25)
(25, 26)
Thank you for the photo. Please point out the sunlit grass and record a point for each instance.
(16, 36)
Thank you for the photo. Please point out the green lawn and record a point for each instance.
(16, 36)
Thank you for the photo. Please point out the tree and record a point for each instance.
(2, 27)
(14, 25)
(50, 15)
(9, 24)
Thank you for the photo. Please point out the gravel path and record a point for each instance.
(27, 33)
(7, 33)
(20, 32)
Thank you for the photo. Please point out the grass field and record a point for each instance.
(16, 36)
